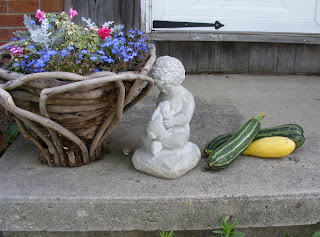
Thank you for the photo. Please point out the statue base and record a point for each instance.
(167, 164)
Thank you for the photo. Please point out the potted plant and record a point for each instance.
(67, 85)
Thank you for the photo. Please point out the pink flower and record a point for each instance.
(41, 15)
(104, 32)
(16, 50)
(72, 13)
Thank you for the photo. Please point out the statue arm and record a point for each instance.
(185, 116)
(186, 112)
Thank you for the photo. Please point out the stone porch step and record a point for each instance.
(110, 198)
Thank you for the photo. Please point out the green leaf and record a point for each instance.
(11, 133)
(235, 234)
(317, 234)
(224, 222)
(286, 235)
(234, 224)
(166, 234)
(218, 232)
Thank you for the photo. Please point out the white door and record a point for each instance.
(300, 16)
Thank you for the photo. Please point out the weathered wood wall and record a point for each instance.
(208, 56)
(126, 12)
(244, 57)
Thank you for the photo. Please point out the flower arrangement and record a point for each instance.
(53, 42)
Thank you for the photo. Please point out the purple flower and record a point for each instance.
(72, 13)
(16, 50)
(41, 15)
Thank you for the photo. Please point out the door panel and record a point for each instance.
(242, 15)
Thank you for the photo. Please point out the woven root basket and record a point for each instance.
(68, 116)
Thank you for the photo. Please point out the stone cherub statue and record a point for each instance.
(166, 151)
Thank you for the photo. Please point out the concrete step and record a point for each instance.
(268, 196)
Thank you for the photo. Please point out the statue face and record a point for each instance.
(167, 89)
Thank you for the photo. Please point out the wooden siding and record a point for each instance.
(218, 36)
(126, 12)
(219, 52)
(243, 57)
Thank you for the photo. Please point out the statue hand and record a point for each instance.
(168, 121)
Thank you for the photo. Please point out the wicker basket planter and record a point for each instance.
(68, 116)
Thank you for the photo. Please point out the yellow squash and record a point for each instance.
(270, 147)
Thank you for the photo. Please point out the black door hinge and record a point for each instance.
(179, 24)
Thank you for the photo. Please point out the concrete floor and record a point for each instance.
(110, 195)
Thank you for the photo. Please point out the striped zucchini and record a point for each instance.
(221, 157)
(292, 131)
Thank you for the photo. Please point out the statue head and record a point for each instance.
(168, 70)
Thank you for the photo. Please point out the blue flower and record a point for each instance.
(30, 63)
(101, 52)
(131, 36)
(52, 19)
(70, 48)
(83, 51)
(52, 53)
(64, 52)
(17, 64)
(95, 70)
(38, 70)
(32, 22)
(23, 64)
(45, 57)
(78, 62)
(39, 63)
(31, 46)
(107, 59)
(132, 31)
(93, 58)
(120, 33)
(140, 32)
(106, 44)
